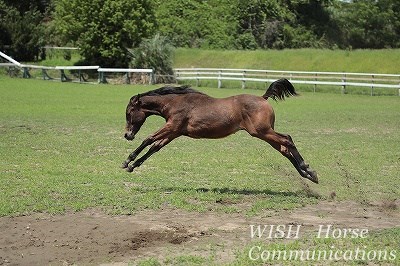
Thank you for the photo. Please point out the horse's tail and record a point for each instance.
(279, 89)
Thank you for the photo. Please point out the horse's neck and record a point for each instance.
(155, 105)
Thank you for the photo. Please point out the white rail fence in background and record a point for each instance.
(80, 69)
(341, 79)
(102, 71)
(80, 72)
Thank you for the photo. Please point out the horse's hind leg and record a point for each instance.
(285, 145)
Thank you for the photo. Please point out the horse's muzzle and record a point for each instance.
(129, 136)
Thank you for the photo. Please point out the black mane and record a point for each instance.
(170, 90)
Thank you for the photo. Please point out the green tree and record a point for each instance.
(370, 23)
(264, 20)
(193, 23)
(21, 31)
(285, 23)
(313, 25)
(105, 29)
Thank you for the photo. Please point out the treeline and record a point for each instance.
(279, 24)
(105, 30)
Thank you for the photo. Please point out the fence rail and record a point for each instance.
(80, 70)
(102, 78)
(341, 79)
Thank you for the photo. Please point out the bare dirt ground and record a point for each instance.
(91, 237)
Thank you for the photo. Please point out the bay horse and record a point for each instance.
(194, 114)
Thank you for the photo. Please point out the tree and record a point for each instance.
(105, 29)
(21, 30)
(193, 23)
(264, 20)
(284, 23)
(370, 24)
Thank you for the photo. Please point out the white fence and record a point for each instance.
(341, 79)
(102, 78)
(80, 71)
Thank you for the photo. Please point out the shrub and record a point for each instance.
(155, 53)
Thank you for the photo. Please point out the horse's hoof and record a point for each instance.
(129, 169)
(124, 165)
(312, 175)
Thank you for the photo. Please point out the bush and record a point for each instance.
(155, 53)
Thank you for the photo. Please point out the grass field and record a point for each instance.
(383, 61)
(61, 147)
(365, 61)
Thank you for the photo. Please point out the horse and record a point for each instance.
(191, 113)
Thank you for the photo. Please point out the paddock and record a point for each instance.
(64, 194)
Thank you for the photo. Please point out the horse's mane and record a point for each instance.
(170, 90)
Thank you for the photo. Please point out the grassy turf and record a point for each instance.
(61, 146)
(365, 61)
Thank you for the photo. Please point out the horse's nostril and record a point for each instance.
(129, 136)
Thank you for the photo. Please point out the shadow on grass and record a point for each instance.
(269, 192)
(305, 192)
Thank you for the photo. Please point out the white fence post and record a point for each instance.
(344, 83)
(316, 78)
(244, 79)
(372, 86)
(219, 79)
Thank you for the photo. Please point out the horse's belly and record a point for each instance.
(212, 128)
(210, 134)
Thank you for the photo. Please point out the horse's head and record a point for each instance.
(135, 117)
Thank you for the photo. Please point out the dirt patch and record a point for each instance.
(91, 237)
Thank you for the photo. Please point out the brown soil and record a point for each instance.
(92, 238)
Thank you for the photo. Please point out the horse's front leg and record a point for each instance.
(155, 148)
(166, 132)
(136, 152)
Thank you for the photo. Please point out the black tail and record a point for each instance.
(279, 89)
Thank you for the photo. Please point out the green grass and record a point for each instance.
(61, 146)
(364, 61)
